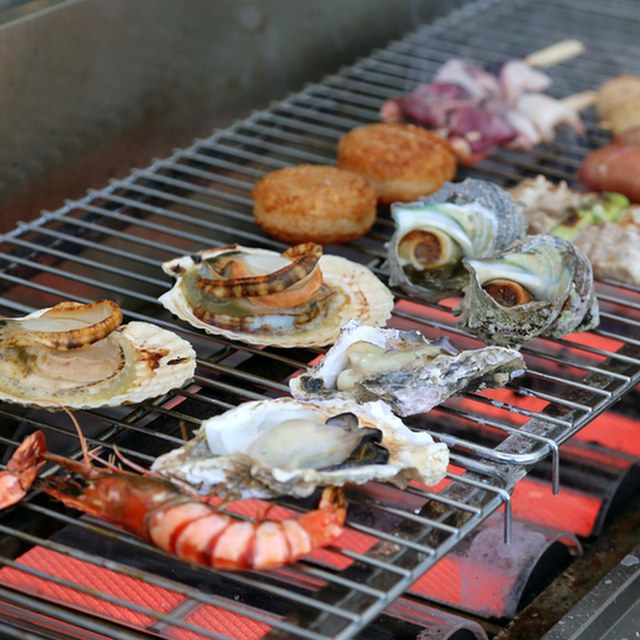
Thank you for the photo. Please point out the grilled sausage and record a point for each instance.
(615, 167)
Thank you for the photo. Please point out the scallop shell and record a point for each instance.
(412, 375)
(155, 361)
(553, 271)
(217, 455)
(472, 219)
(358, 293)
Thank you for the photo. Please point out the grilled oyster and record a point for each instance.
(79, 356)
(541, 286)
(404, 369)
(472, 219)
(287, 447)
(297, 298)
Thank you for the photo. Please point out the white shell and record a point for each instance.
(216, 455)
(364, 296)
(166, 362)
(415, 387)
(161, 361)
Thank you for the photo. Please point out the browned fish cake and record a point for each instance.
(402, 161)
(314, 203)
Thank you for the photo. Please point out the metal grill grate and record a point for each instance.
(111, 244)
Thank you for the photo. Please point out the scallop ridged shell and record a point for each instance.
(419, 386)
(567, 277)
(480, 216)
(159, 361)
(412, 455)
(165, 362)
(363, 296)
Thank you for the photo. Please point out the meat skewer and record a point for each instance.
(477, 111)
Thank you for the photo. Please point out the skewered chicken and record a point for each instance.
(477, 111)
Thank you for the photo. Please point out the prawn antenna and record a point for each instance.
(83, 442)
(130, 463)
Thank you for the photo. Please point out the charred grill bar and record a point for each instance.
(111, 243)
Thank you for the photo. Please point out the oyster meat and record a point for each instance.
(79, 356)
(541, 286)
(403, 369)
(287, 447)
(472, 219)
(298, 298)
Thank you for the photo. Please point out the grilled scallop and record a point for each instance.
(297, 298)
(79, 356)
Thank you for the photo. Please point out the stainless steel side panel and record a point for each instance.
(91, 88)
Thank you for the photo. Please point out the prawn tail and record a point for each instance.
(332, 500)
(324, 525)
(22, 469)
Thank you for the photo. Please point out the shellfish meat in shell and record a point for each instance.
(472, 219)
(288, 447)
(298, 298)
(404, 369)
(541, 286)
(79, 356)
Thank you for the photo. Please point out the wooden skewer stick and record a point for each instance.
(580, 101)
(555, 54)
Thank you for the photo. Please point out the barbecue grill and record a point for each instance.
(67, 575)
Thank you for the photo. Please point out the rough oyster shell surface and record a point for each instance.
(553, 270)
(217, 455)
(472, 219)
(152, 361)
(409, 372)
(358, 293)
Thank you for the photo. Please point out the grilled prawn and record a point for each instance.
(22, 469)
(159, 512)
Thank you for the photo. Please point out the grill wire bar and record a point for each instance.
(111, 244)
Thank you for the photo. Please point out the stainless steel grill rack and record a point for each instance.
(111, 243)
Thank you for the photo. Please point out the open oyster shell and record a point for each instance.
(79, 356)
(471, 219)
(347, 290)
(541, 286)
(251, 451)
(403, 369)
